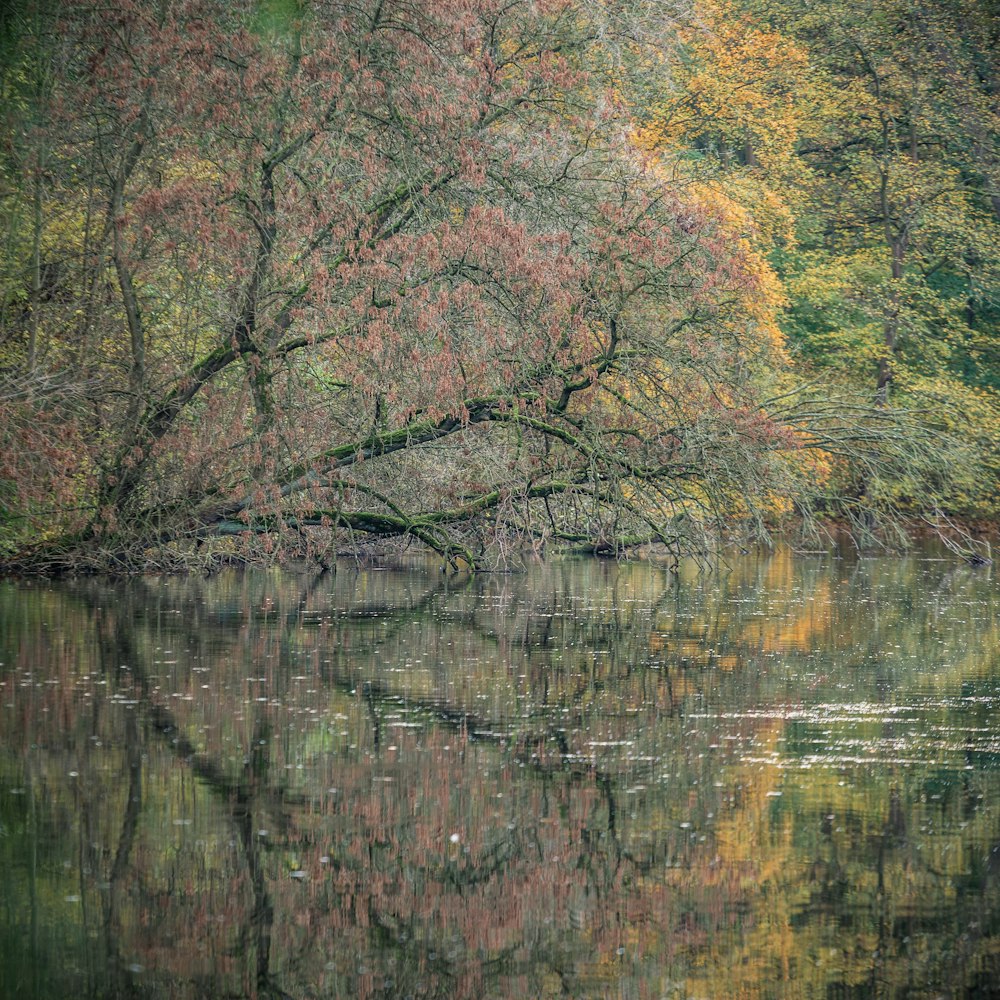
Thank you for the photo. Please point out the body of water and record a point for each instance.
(592, 779)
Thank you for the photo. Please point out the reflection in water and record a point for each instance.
(589, 780)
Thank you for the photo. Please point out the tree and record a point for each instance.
(894, 276)
(412, 226)
(396, 270)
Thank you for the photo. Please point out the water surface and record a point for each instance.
(588, 780)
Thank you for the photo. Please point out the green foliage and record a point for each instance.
(290, 276)
(892, 276)
(278, 18)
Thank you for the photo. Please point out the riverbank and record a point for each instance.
(975, 542)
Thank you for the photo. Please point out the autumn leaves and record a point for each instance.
(477, 277)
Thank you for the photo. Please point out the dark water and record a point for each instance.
(589, 780)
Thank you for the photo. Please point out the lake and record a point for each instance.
(591, 779)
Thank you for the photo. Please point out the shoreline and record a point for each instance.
(973, 542)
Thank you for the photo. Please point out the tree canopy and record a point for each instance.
(280, 277)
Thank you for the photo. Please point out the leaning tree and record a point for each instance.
(339, 270)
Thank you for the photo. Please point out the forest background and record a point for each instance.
(283, 278)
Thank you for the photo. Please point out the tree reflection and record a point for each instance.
(587, 781)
